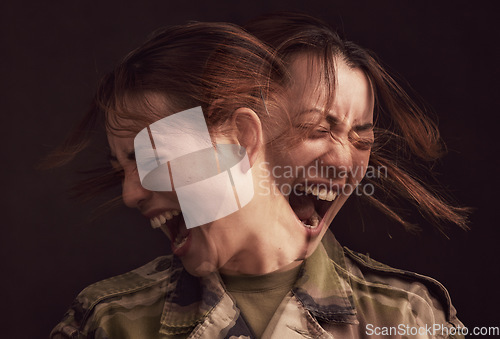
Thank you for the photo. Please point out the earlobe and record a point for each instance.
(249, 132)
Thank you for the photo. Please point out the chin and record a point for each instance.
(198, 267)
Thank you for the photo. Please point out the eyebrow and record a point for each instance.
(333, 120)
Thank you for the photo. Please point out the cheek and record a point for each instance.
(168, 197)
(361, 165)
(284, 163)
(308, 152)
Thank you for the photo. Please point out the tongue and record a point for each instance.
(302, 205)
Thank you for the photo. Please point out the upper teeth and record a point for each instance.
(163, 217)
(322, 194)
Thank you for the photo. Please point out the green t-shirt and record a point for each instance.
(259, 296)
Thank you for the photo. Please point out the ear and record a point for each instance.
(248, 132)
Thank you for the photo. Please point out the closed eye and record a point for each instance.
(313, 131)
(361, 143)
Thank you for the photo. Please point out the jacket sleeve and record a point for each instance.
(78, 323)
(70, 325)
(106, 307)
(428, 299)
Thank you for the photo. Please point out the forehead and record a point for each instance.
(347, 93)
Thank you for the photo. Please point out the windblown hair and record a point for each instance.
(218, 66)
(404, 133)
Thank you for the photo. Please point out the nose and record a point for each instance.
(133, 194)
(338, 159)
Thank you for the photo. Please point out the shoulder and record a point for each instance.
(123, 294)
(427, 298)
(136, 280)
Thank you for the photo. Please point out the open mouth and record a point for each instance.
(311, 202)
(173, 225)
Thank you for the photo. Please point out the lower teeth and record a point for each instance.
(314, 222)
(180, 241)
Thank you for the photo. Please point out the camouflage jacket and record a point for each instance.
(338, 294)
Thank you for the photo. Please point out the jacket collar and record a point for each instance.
(319, 288)
(189, 300)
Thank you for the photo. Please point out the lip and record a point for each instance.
(313, 232)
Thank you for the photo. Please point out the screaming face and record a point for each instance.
(331, 155)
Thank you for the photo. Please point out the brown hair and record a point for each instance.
(403, 133)
(214, 65)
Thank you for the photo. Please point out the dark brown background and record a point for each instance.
(52, 54)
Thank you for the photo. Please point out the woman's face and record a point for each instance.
(229, 243)
(331, 159)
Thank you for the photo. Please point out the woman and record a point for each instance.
(244, 275)
(355, 117)
(237, 81)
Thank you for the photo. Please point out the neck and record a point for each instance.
(270, 241)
